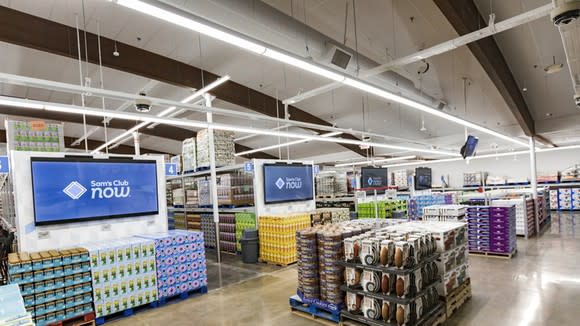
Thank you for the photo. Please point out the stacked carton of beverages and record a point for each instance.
(124, 274)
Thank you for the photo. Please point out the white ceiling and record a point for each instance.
(393, 27)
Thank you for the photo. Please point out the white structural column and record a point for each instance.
(137, 143)
(213, 177)
(534, 183)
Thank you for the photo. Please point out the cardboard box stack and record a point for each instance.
(123, 274)
(180, 262)
(417, 203)
(55, 285)
(400, 178)
(278, 237)
(243, 221)
(444, 213)
(227, 225)
(208, 229)
(329, 215)
(224, 148)
(12, 310)
(492, 229)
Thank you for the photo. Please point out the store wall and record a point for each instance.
(36, 238)
(276, 209)
(504, 166)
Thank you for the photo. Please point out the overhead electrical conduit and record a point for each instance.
(193, 22)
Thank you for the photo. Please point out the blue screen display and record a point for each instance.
(468, 149)
(286, 183)
(70, 190)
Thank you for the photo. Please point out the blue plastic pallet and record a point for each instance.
(125, 313)
(311, 309)
(183, 296)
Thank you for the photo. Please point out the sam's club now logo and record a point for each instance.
(99, 189)
(289, 183)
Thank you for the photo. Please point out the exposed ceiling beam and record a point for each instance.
(164, 131)
(122, 149)
(45, 35)
(465, 18)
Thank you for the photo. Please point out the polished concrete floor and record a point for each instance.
(539, 286)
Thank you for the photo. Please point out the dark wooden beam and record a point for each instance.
(45, 35)
(163, 131)
(465, 18)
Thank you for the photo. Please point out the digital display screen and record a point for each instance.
(77, 189)
(468, 150)
(287, 183)
(422, 178)
(374, 177)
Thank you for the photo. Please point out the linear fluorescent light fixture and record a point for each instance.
(479, 157)
(205, 27)
(146, 119)
(21, 104)
(202, 91)
(296, 142)
(401, 158)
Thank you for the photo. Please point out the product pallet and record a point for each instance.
(345, 316)
(457, 298)
(314, 311)
(183, 296)
(274, 263)
(125, 313)
(83, 320)
(502, 255)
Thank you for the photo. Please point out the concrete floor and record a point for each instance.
(539, 286)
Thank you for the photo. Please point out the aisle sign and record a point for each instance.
(4, 165)
(170, 169)
(249, 167)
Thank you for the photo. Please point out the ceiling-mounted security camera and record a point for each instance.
(142, 105)
(565, 12)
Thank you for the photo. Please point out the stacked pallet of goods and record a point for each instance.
(473, 179)
(188, 155)
(55, 284)
(320, 251)
(325, 185)
(208, 229)
(123, 274)
(554, 199)
(392, 208)
(180, 262)
(401, 179)
(444, 213)
(243, 221)
(331, 184)
(278, 237)
(12, 310)
(452, 265)
(224, 148)
(492, 229)
(524, 210)
(391, 276)
(329, 215)
(235, 189)
(227, 225)
(417, 203)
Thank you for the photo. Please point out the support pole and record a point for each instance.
(534, 183)
(136, 143)
(213, 177)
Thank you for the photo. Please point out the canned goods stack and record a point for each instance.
(278, 237)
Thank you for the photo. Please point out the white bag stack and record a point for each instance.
(189, 155)
(223, 145)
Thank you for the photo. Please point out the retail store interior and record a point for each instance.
(289, 162)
